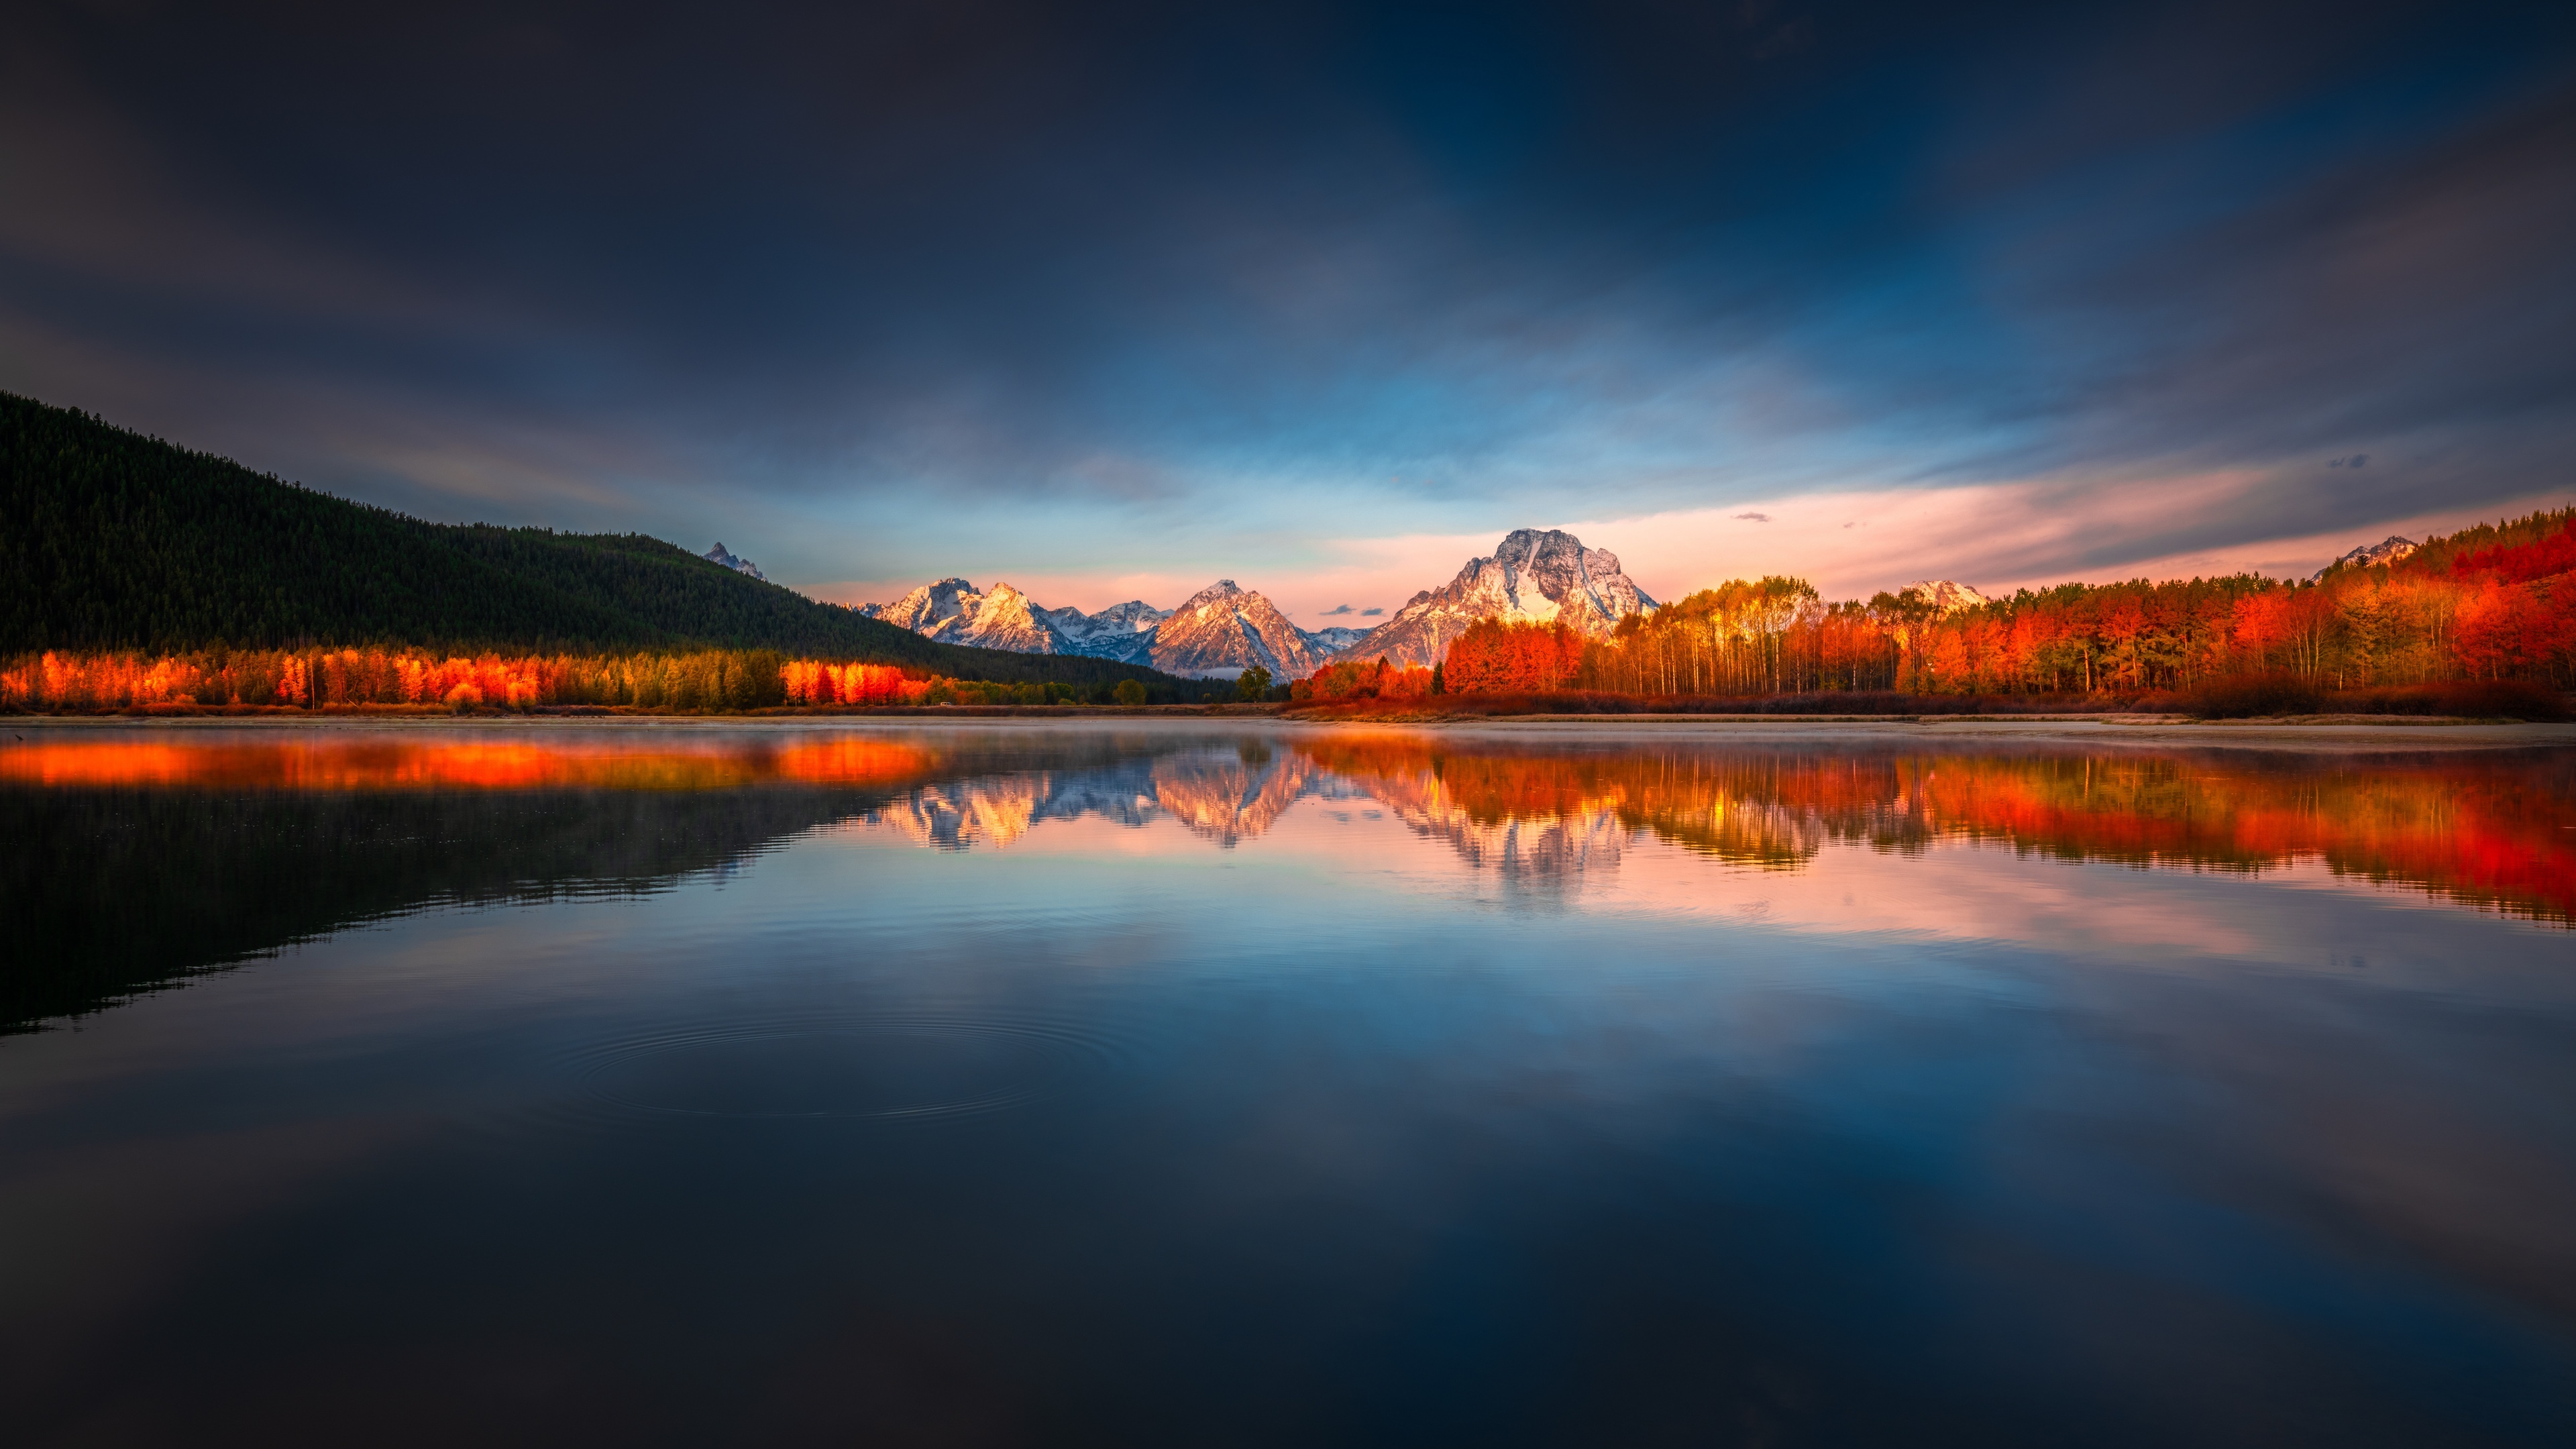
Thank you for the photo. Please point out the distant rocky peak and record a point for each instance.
(725, 558)
(2387, 551)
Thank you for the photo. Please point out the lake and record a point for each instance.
(1254, 1084)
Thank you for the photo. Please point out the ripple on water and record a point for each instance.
(883, 1068)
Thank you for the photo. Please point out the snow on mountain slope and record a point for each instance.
(929, 607)
(956, 612)
(1003, 619)
(1946, 596)
(1121, 631)
(1533, 577)
(1133, 616)
(1224, 630)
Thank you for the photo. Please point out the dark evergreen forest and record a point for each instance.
(119, 541)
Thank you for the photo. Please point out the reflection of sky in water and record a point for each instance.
(1209, 1087)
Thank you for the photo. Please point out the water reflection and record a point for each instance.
(1023, 1085)
(146, 859)
(2496, 829)
(322, 760)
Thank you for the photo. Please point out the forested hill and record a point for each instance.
(112, 540)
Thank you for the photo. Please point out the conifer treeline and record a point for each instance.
(119, 543)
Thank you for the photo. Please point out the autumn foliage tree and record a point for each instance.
(2497, 602)
(1494, 657)
(1348, 679)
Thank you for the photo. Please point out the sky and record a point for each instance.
(1109, 301)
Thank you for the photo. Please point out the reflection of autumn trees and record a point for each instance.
(2487, 828)
(2490, 828)
(345, 762)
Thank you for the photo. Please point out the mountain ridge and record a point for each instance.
(1219, 632)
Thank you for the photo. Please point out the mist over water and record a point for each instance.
(1188, 1084)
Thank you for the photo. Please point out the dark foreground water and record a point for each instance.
(1205, 1086)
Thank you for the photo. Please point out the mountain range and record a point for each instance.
(1224, 629)
(954, 611)
(1217, 633)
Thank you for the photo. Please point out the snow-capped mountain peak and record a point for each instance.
(1534, 576)
(928, 608)
(1003, 619)
(1225, 629)
(1944, 595)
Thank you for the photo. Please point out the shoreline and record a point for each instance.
(2317, 734)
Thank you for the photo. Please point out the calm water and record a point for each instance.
(1002, 1085)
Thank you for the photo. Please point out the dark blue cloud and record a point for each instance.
(917, 288)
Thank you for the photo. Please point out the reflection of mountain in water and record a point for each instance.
(2489, 828)
(1227, 796)
(998, 810)
(1231, 799)
(1547, 849)
(1535, 815)
(132, 864)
